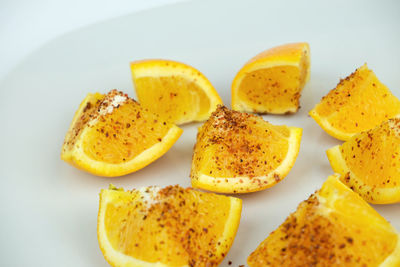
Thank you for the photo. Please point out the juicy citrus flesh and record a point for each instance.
(169, 226)
(369, 163)
(111, 138)
(272, 89)
(358, 103)
(272, 81)
(333, 227)
(239, 153)
(82, 116)
(177, 92)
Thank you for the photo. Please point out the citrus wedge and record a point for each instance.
(369, 163)
(170, 226)
(333, 227)
(240, 153)
(358, 103)
(112, 135)
(272, 81)
(177, 92)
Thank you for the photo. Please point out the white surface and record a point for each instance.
(26, 25)
(49, 208)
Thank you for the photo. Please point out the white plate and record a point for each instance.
(49, 209)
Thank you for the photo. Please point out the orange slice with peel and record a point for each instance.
(369, 163)
(358, 103)
(177, 92)
(333, 227)
(240, 153)
(170, 226)
(112, 135)
(272, 81)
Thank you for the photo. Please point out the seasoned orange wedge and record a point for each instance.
(333, 227)
(177, 92)
(272, 81)
(112, 135)
(358, 103)
(240, 153)
(170, 226)
(369, 163)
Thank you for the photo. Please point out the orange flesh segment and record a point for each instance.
(334, 227)
(123, 134)
(182, 227)
(173, 98)
(89, 109)
(272, 81)
(234, 144)
(374, 156)
(272, 88)
(358, 103)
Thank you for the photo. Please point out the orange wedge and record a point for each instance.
(177, 92)
(272, 81)
(170, 226)
(358, 103)
(240, 153)
(369, 163)
(333, 227)
(112, 135)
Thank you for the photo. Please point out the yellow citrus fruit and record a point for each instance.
(358, 103)
(272, 81)
(177, 92)
(169, 226)
(112, 135)
(333, 227)
(369, 163)
(238, 152)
